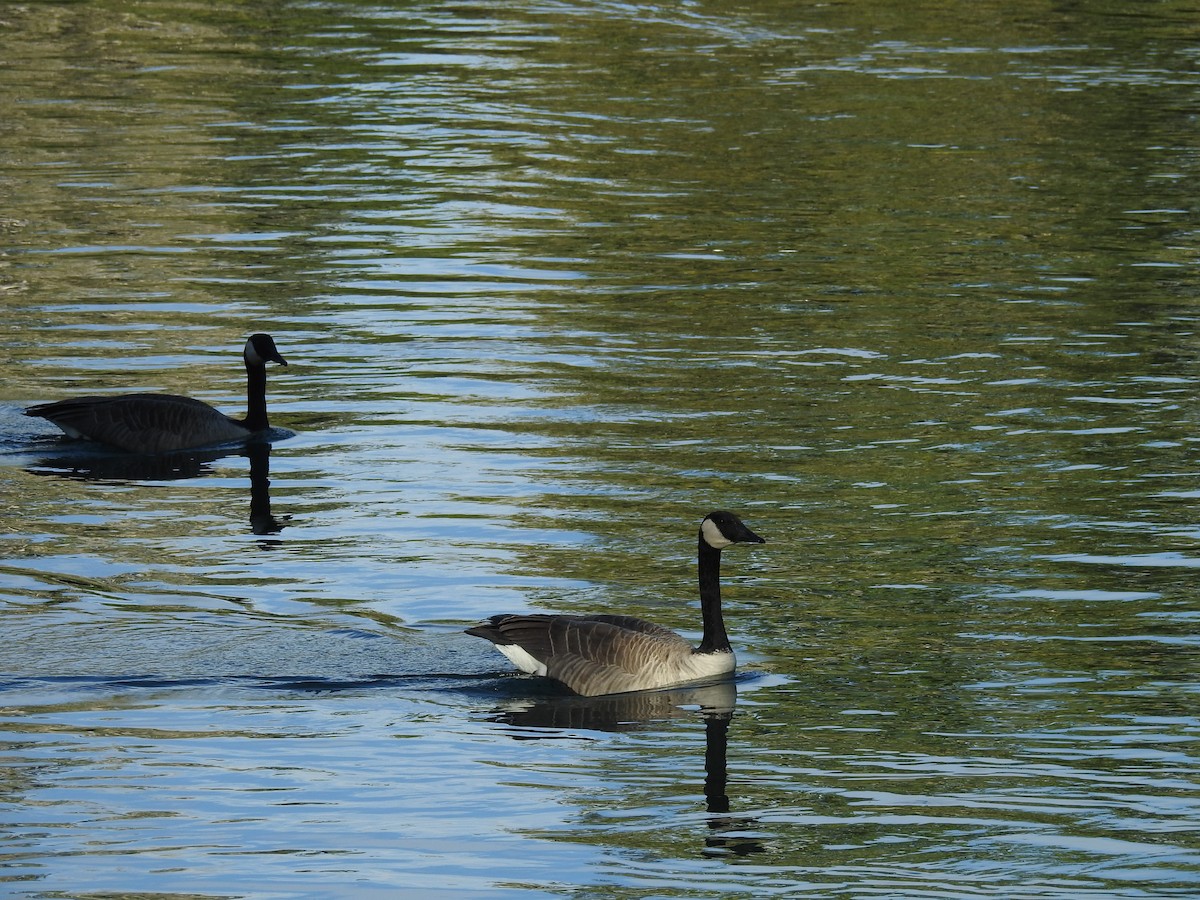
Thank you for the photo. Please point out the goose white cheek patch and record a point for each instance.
(252, 356)
(712, 535)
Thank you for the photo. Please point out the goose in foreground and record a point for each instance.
(605, 654)
(161, 423)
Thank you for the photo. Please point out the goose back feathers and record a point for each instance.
(162, 423)
(613, 654)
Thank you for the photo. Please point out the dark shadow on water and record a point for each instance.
(561, 715)
(90, 462)
(306, 684)
(614, 712)
(87, 461)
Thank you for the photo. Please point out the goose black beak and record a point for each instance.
(746, 536)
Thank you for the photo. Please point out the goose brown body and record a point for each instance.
(613, 654)
(162, 423)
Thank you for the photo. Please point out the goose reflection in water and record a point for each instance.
(547, 718)
(262, 522)
(86, 463)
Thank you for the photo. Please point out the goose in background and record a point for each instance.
(161, 423)
(606, 654)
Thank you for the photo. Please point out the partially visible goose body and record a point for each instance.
(610, 654)
(162, 423)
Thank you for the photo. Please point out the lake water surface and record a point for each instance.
(912, 287)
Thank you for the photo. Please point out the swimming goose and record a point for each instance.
(160, 423)
(604, 654)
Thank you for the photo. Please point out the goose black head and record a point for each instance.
(260, 350)
(722, 528)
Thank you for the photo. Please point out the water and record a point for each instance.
(913, 291)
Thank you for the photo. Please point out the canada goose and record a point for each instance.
(604, 654)
(160, 423)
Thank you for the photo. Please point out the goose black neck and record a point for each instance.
(256, 398)
(715, 639)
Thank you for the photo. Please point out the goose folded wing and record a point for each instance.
(145, 423)
(592, 654)
(633, 623)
